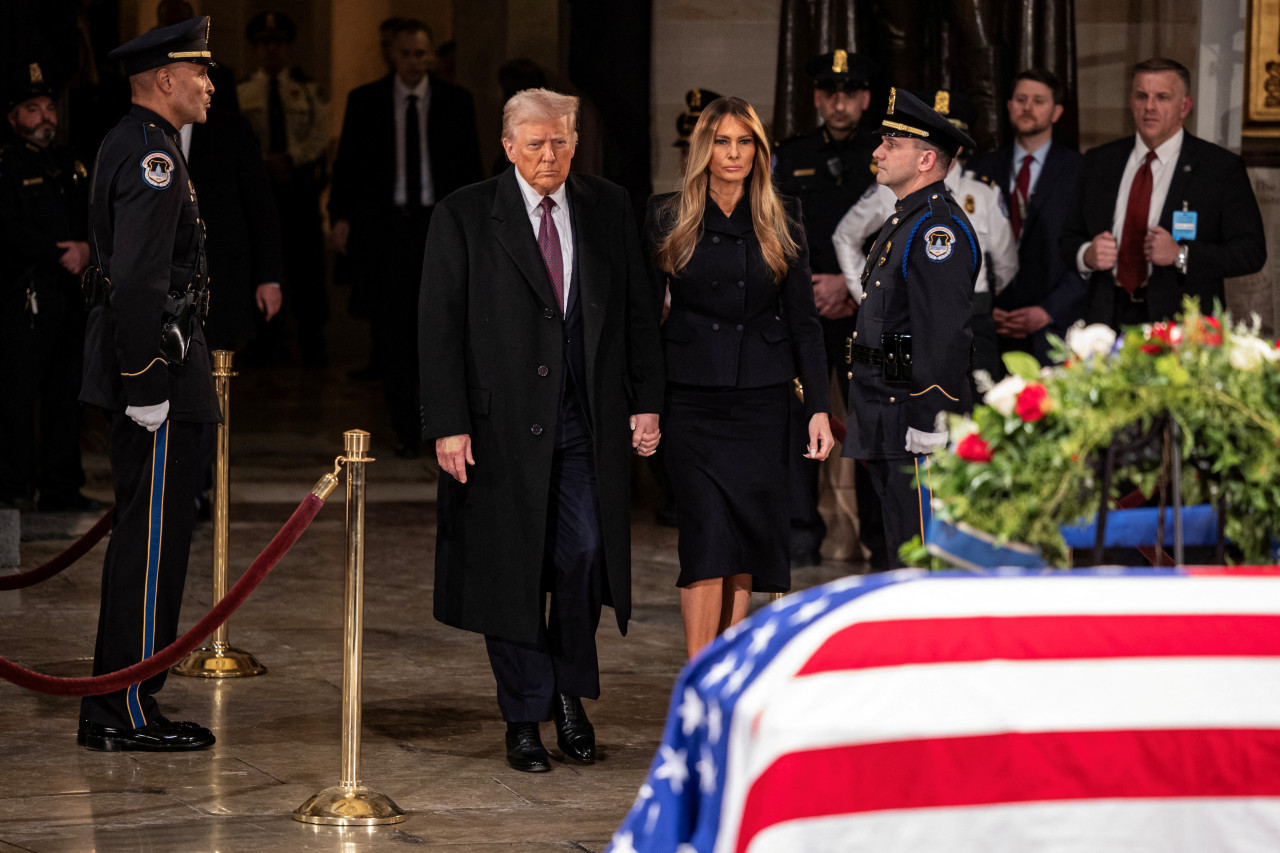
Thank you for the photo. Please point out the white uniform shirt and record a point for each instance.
(982, 203)
(306, 115)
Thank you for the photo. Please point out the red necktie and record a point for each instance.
(1020, 194)
(1131, 267)
(549, 243)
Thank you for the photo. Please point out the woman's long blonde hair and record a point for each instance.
(686, 208)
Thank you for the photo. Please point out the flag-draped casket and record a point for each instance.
(1125, 710)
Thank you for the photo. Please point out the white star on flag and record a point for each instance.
(690, 711)
(761, 636)
(622, 843)
(675, 768)
(715, 720)
(707, 771)
(810, 611)
(719, 671)
(651, 818)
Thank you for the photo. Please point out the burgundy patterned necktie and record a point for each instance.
(1131, 269)
(549, 243)
(1021, 192)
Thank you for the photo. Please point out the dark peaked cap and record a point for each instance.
(841, 71)
(907, 115)
(25, 83)
(184, 42)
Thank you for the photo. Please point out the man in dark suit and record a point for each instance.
(541, 368)
(1162, 215)
(1037, 178)
(381, 201)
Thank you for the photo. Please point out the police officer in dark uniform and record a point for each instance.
(828, 169)
(43, 251)
(147, 365)
(909, 355)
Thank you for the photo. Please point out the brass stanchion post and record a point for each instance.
(350, 803)
(220, 659)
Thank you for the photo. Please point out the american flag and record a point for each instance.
(1008, 712)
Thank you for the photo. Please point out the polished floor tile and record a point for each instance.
(432, 737)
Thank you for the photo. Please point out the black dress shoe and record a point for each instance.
(525, 751)
(574, 733)
(159, 735)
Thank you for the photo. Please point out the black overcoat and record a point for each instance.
(491, 355)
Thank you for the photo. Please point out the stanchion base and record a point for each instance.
(218, 661)
(342, 805)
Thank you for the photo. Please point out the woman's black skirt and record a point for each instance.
(726, 452)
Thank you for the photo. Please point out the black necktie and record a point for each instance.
(412, 156)
(275, 119)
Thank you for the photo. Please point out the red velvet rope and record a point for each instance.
(178, 649)
(78, 549)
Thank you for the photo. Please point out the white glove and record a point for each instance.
(150, 417)
(925, 442)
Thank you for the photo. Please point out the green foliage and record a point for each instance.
(1222, 384)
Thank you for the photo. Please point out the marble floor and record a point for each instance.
(432, 737)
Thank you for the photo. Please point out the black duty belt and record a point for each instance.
(893, 356)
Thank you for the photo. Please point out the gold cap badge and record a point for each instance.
(695, 99)
(893, 95)
(37, 76)
(840, 62)
(942, 101)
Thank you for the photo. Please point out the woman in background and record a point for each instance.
(742, 325)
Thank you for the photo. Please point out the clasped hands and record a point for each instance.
(453, 452)
(1158, 247)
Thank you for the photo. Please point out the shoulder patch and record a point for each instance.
(157, 169)
(939, 243)
(871, 190)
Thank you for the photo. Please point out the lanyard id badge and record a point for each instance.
(1184, 224)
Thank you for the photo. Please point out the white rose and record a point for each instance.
(1094, 339)
(1248, 353)
(1004, 396)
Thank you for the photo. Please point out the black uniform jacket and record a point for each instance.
(1209, 180)
(828, 176)
(492, 361)
(919, 282)
(145, 235)
(731, 325)
(364, 172)
(44, 196)
(1043, 279)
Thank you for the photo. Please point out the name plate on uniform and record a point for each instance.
(1184, 225)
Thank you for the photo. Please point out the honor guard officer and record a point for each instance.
(43, 209)
(828, 168)
(147, 365)
(987, 212)
(909, 355)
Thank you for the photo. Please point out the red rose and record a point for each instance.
(973, 449)
(1151, 349)
(1211, 331)
(1033, 402)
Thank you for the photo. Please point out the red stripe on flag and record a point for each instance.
(1012, 768)
(917, 641)
(1233, 571)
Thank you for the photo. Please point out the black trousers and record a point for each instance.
(395, 267)
(905, 508)
(563, 660)
(155, 476)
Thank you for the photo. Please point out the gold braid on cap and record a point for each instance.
(942, 102)
(906, 128)
(840, 62)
